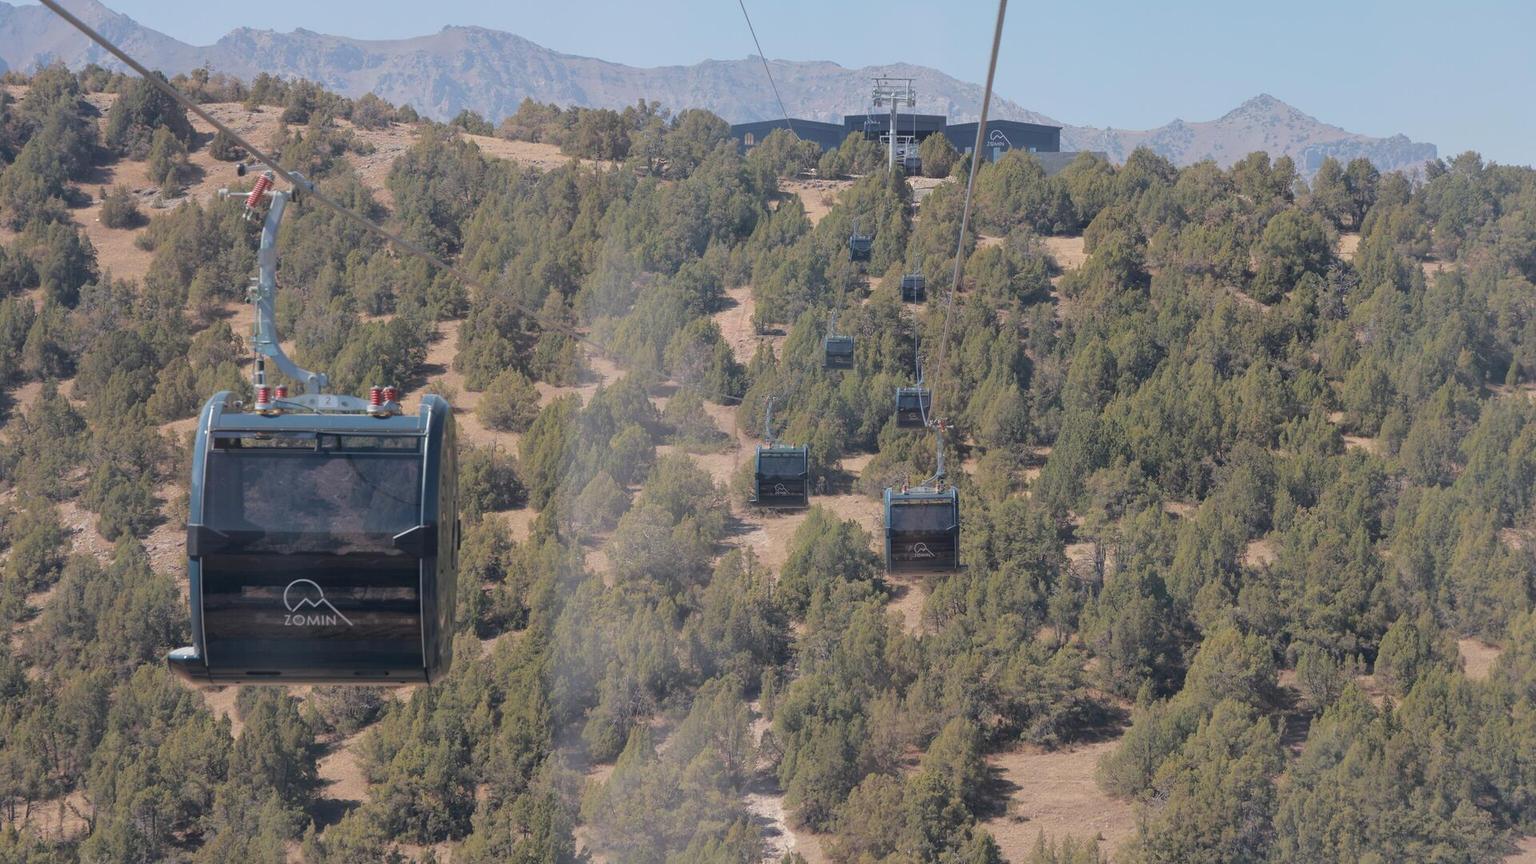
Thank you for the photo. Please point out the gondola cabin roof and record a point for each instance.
(922, 508)
(838, 344)
(782, 460)
(224, 417)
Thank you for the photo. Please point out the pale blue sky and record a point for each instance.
(1460, 75)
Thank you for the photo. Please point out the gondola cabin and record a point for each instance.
(837, 352)
(782, 476)
(321, 547)
(922, 529)
(860, 246)
(914, 288)
(912, 165)
(912, 407)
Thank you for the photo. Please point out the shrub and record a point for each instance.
(488, 481)
(119, 209)
(510, 404)
(600, 505)
(938, 155)
(224, 148)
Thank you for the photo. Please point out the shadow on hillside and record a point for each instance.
(328, 811)
(838, 482)
(735, 526)
(996, 791)
(765, 786)
(97, 174)
(1295, 719)
(423, 374)
(193, 174)
(722, 303)
(200, 140)
(1095, 721)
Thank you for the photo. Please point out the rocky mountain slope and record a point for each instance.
(491, 72)
(1261, 123)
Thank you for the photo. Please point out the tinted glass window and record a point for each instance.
(782, 464)
(934, 515)
(325, 494)
(305, 574)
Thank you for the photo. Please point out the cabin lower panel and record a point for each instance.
(188, 666)
(783, 495)
(922, 551)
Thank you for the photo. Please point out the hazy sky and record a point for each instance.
(1460, 75)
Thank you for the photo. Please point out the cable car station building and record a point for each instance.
(1002, 135)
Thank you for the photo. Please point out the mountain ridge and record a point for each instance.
(492, 71)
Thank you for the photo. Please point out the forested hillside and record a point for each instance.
(493, 72)
(1245, 465)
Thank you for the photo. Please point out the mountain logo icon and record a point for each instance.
(305, 594)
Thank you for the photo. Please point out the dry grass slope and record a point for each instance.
(1054, 793)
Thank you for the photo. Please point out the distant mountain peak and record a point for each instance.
(1262, 122)
(492, 71)
(1266, 106)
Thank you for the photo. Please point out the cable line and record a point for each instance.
(769, 72)
(965, 213)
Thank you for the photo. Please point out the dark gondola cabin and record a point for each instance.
(912, 165)
(321, 547)
(914, 288)
(782, 476)
(922, 529)
(837, 352)
(912, 407)
(860, 246)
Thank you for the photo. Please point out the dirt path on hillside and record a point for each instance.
(1524, 852)
(736, 327)
(1348, 244)
(1068, 253)
(765, 801)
